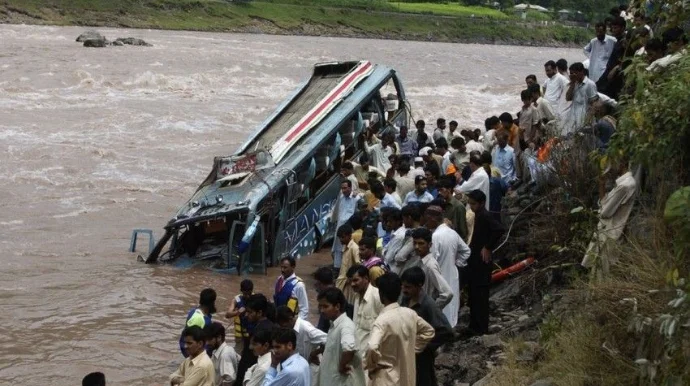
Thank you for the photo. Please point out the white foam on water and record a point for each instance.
(13, 222)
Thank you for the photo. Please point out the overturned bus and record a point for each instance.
(275, 195)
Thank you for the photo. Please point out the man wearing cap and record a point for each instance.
(418, 169)
(427, 154)
(408, 147)
(419, 194)
(486, 237)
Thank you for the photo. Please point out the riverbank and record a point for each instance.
(289, 19)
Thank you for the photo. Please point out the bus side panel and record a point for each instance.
(313, 225)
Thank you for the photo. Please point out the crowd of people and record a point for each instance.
(418, 219)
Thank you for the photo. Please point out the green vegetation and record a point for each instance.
(450, 9)
(331, 18)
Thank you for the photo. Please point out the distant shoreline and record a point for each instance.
(285, 19)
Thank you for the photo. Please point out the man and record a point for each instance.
(290, 290)
(323, 280)
(391, 186)
(340, 366)
(562, 66)
(309, 338)
(487, 235)
(256, 310)
(427, 155)
(403, 179)
(454, 210)
(261, 348)
(197, 369)
(200, 316)
(598, 50)
(555, 86)
(530, 79)
(478, 180)
(511, 128)
(503, 156)
(397, 335)
(442, 151)
(374, 264)
(405, 257)
(385, 199)
(93, 379)
(294, 369)
(452, 130)
(611, 81)
(675, 39)
(378, 150)
(364, 170)
(418, 169)
(461, 155)
(419, 194)
(582, 92)
(440, 130)
(414, 297)
(616, 206)
(367, 305)
(491, 126)
(435, 286)
(451, 253)
(236, 312)
(350, 258)
(544, 109)
(408, 147)
(395, 225)
(345, 207)
(473, 143)
(529, 118)
(348, 171)
(224, 357)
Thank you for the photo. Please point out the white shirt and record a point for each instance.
(544, 109)
(489, 140)
(478, 180)
(256, 374)
(413, 197)
(473, 145)
(388, 201)
(397, 198)
(391, 249)
(449, 250)
(225, 361)
(584, 94)
(598, 53)
(308, 337)
(555, 88)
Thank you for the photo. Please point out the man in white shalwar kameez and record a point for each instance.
(615, 206)
(451, 253)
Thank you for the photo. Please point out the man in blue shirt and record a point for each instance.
(288, 368)
(408, 147)
(345, 207)
(504, 157)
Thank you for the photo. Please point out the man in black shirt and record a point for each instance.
(487, 234)
(414, 297)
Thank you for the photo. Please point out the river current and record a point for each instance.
(95, 142)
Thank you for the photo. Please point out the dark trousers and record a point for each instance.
(247, 360)
(478, 280)
(426, 373)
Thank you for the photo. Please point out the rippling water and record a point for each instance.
(95, 142)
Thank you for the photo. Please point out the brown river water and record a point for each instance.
(95, 142)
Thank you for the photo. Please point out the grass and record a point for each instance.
(330, 18)
(450, 9)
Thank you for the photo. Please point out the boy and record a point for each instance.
(236, 312)
(261, 348)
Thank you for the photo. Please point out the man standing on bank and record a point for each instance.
(290, 290)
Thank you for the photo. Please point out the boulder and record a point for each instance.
(95, 43)
(90, 35)
(529, 352)
(133, 42)
(491, 341)
(118, 43)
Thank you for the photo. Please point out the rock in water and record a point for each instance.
(90, 35)
(95, 43)
(118, 43)
(133, 42)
